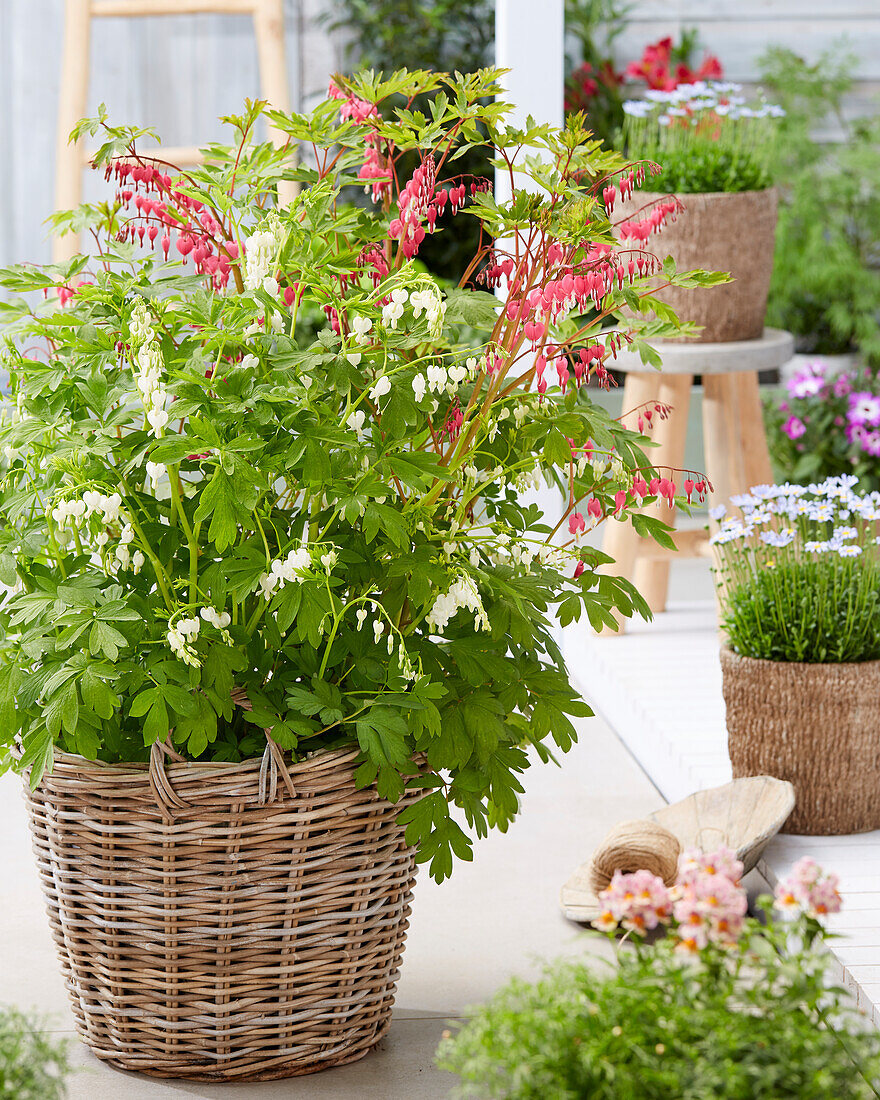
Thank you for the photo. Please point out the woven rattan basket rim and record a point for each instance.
(73, 765)
(804, 668)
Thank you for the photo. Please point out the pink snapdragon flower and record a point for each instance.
(709, 903)
(809, 889)
(639, 902)
(722, 861)
(710, 908)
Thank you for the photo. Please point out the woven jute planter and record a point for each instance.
(815, 725)
(717, 231)
(226, 922)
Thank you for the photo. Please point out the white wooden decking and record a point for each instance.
(659, 687)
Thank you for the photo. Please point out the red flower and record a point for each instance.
(710, 69)
(654, 68)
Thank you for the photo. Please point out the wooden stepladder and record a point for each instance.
(70, 159)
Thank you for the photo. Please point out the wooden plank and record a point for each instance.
(619, 540)
(129, 8)
(72, 100)
(708, 11)
(651, 575)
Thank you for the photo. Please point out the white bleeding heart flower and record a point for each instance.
(382, 386)
(361, 326)
(355, 421)
(157, 419)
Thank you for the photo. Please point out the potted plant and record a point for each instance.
(827, 424)
(799, 583)
(708, 148)
(725, 1006)
(274, 606)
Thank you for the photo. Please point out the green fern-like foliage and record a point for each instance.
(33, 1066)
(826, 279)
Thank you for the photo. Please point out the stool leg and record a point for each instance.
(752, 436)
(652, 577)
(733, 429)
(619, 539)
(72, 106)
(269, 33)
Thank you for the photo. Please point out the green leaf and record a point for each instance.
(63, 710)
(105, 639)
(97, 695)
(476, 308)
(220, 500)
(156, 727)
(38, 755)
(381, 734)
(316, 468)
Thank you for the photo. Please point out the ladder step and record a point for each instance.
(172, 7)
(181, 155)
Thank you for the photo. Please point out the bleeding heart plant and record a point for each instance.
(263, 474)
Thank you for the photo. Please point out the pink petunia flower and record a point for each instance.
(864, 409)
(794, 427)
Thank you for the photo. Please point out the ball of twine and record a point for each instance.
(635, 846)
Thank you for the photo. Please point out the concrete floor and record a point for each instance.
(496, 917)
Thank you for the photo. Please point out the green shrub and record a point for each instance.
(826, 276)
(33, 1066)
(434, 35)
(742, 1024)
(708, 168)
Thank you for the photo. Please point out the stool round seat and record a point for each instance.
(771, 350)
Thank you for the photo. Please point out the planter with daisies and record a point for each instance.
(708, 149)
(273, 604)
(799, 583)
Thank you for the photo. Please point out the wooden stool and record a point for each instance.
(268, 17)
(735, 447)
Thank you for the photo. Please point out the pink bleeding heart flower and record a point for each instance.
(576, 524)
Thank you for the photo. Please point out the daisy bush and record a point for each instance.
(705, 135)
(798, 573)
(725, 1006)
(265, 478)
(827, 424)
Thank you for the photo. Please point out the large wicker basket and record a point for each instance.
(815, 725)
(718, 231)
(226, 922)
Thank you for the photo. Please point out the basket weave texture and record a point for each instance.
(815, 725)
(718, 231)
(229, 922)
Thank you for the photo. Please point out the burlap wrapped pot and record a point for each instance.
(815, 725)
(717, 231)
(220, 921)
